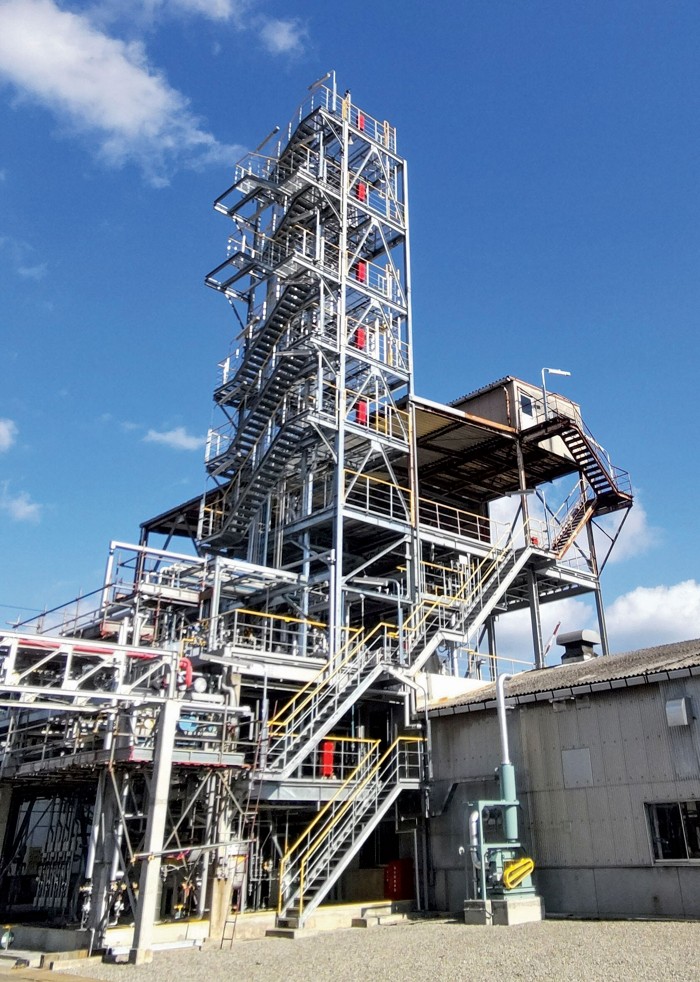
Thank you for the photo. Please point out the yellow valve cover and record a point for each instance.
(515, 871)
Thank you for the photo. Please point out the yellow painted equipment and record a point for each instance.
(515, 872)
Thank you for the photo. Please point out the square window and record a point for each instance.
(675, 830)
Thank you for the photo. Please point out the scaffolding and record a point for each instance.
(238, 724)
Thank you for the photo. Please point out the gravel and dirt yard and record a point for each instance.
(436, 950)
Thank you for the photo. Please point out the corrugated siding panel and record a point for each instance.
(635, 758)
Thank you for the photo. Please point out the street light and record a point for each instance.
(549, 371)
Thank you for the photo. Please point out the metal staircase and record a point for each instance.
(260, 342)
(572, 518)
(313, 864)
(610, 484)
(607, 488)
(464, 613)
(313, 712)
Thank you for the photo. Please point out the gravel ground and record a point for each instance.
(432, 951)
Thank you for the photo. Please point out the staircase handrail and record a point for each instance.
(364, 765)
(340, 805)
(353, 648)
(259, 320)
(361, 650)
(619, 479)
(483, 571)
(384, 773)
(616, 475)
(569, 504)
(300, 414)
(342, 108)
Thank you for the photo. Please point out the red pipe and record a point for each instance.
(185, 665)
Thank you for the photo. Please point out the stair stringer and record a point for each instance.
(306, 740)
(334, 875)
(473, 623)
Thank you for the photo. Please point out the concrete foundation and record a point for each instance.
(504, 912)
(479, 912)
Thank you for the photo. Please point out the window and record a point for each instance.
(675, 830)
(526, 405)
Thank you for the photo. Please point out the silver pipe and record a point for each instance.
(474, 819)
(501, 704)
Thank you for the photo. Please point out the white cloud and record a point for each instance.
(20, 506)
(37, 272)
(642, 618)
(283, 37)
(20, 255)
(514, 632)
(104, 87)
(637, 535)
(8, 434)
(178, 439)
(649, 616)
(214, 9)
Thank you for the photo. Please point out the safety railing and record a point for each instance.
(381, 280)
(291, 244)
(154, 572)
(340, 827)
(356, 657)
(380, 338)
(31, 736)
(373, 411)
(254, 630)
(335, 759)
(378, 198)
(322, 97)
(297, 162)
(456, 521)
(375, 496)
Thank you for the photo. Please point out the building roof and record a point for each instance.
(648, 665)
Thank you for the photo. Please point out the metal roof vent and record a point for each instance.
(578, 646)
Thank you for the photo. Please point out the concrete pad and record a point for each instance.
(517, 910)
(478, 912)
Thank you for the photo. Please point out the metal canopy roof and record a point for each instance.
(458, 454)
(462, 453)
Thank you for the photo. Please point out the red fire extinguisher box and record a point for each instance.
(327, 756)
(398, 880)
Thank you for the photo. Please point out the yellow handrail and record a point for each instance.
(293, 707)
(335, 818)
(491, 558)
(372, 746)
(320, 678)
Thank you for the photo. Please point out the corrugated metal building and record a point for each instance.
(607, 756)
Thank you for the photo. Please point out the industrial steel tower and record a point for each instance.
(240, 724)
(316, 398)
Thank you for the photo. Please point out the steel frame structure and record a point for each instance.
(240, 717)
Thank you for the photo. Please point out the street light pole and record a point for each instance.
(549, 371)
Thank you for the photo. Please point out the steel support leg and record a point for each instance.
(149, 883)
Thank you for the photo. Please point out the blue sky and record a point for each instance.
(553, 153)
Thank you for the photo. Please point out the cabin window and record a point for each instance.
(526, 405)
(675, 830)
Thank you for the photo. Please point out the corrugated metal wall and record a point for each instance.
(585, 769)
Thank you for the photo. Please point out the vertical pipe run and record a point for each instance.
(506, 771)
